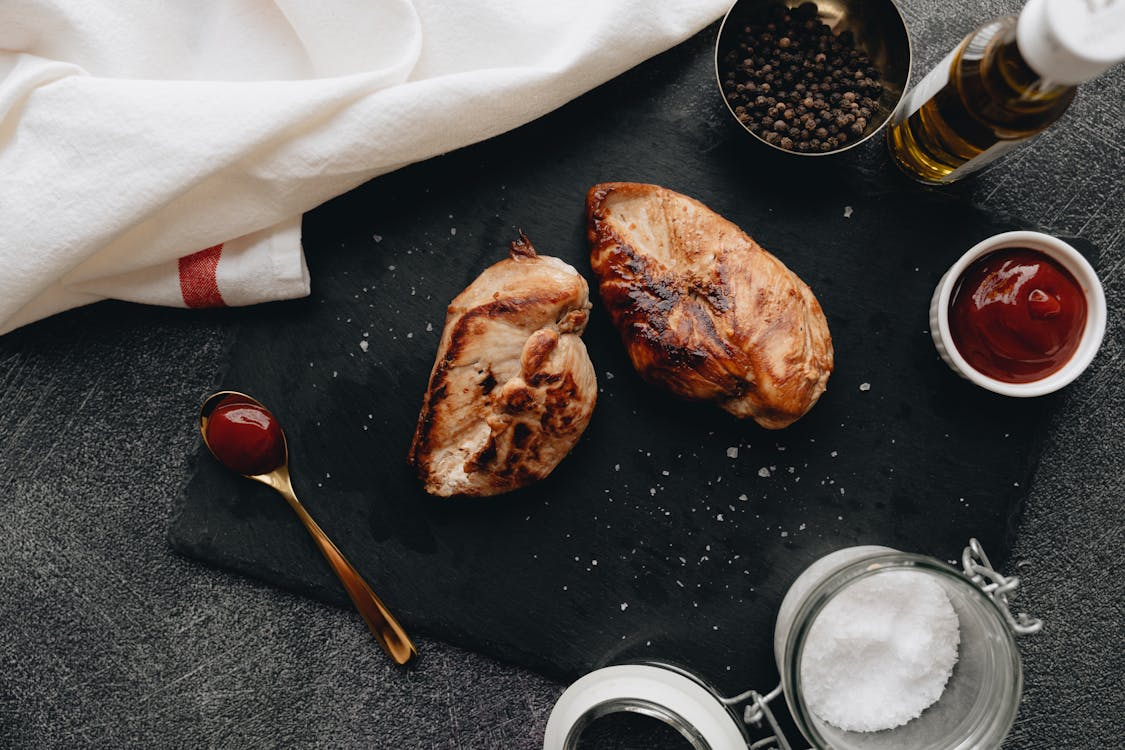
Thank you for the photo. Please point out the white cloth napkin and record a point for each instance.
(164, 151)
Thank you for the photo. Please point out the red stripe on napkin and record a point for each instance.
(197, 278)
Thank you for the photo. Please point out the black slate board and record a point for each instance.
(652, 540)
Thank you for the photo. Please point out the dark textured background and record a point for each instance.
(112, 640)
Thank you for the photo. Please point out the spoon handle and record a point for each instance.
(382, 623)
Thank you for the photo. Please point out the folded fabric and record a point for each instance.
(164, 152)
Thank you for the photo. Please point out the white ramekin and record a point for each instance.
(1068, 258)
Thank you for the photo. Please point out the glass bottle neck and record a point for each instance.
(1014, 74)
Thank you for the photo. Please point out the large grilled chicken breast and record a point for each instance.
(512, 388)
(703, 310)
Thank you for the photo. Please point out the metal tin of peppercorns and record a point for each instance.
(812, 79)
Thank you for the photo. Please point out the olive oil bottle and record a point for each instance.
(1007, 82)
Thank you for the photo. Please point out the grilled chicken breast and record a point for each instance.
(513, 388)
(703, 310)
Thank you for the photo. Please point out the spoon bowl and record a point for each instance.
(243, 435)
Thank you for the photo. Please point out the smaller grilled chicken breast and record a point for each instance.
(512, 388)
(703, 310)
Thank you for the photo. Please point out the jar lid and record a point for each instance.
(661, 691)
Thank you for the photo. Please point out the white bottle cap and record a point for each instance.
(1071, 41)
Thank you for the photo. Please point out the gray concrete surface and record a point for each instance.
(111, 640)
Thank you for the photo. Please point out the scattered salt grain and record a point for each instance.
(624, 606)
(880, 652)
(732, 452)
(763, 472)
(848, 212)
(865, 386)
(363, 344)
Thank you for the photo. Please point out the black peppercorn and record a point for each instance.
(788, 79)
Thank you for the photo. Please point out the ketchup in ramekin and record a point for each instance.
(1017, 315)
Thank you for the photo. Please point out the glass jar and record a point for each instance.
(981, 698)
(974, 712)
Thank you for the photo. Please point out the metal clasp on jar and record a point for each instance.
(997, 586)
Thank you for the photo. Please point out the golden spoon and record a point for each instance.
(244, 436)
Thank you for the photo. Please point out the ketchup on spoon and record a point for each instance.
(245, 438)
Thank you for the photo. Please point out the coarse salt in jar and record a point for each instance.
(943, 669)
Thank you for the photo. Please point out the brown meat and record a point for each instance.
(703, 310)
(512, 388)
